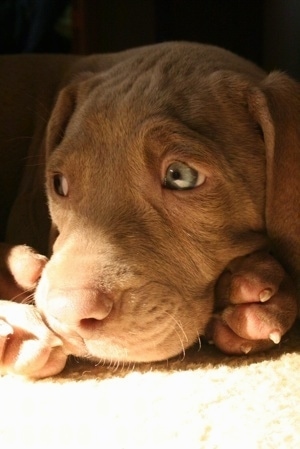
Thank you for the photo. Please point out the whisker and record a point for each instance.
(101, 362)
(179, 325)
(35, 165)
(42, 111)
(116, 366)
(199, 341)
(27, 300)
(111, 364)
(183, 353)
(33, 161)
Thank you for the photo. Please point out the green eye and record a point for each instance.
(180, 176)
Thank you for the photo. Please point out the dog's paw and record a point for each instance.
(27, 346)
(256, 304)
(20, 269)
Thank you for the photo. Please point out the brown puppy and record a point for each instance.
(159, 175)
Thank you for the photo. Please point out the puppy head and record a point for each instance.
(155, 179)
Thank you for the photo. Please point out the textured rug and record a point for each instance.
(204, 400)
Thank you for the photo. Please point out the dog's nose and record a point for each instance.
(80, 310)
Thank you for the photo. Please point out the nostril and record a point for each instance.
(94, 312)
(89, 324)
(84, 308)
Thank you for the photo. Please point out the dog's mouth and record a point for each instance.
(145, 325)
(148, 345)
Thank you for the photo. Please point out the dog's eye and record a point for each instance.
(60, 184)
(180, 176)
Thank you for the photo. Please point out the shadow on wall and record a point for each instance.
(265, 31)
(282, 36)
(34, 26)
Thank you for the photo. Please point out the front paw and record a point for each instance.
(27, 346)
(256, 304)
(20, 270)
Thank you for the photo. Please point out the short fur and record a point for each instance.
(134, 264)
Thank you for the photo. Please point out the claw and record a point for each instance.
(265, 295)
(275, 337)
(246, 348)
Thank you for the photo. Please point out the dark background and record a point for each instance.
(265, 31)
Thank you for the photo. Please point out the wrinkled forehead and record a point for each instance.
(119, 102)
(151, 98)
(158, 77)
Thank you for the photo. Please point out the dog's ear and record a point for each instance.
(64, 107)
(276, 108)
(62, 111)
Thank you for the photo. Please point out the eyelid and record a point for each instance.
(60, 184)
(191, 179)
(202, 168)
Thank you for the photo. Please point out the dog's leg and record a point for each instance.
(256, 304)
(27, 346)
(20, 269)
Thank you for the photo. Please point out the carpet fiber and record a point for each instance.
(206, 400)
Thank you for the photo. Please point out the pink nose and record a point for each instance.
(81, 310)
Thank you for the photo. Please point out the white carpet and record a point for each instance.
(205, 401)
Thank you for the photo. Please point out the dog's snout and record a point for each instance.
(80, 310)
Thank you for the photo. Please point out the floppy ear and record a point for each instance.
(65, 105)
(62, 111)
(61, 114)
(276, 107)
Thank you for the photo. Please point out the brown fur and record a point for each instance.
(134, 264)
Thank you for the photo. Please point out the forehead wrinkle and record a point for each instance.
(164, 136)
(183, 144)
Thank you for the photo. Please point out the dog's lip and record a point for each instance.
(109, 340)
(73, 343)
(104, 347)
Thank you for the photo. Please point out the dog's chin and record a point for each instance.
(145, 348)
(149, 323)
(112, 352)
